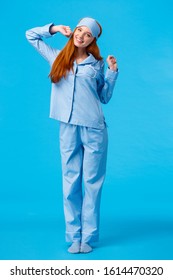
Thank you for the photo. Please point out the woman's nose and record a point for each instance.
(81, 35)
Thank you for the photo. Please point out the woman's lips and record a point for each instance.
(79, 40)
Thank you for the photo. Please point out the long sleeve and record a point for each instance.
(106, 84)
(35, 38)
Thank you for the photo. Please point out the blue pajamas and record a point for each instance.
(83, 153)
(76, 103)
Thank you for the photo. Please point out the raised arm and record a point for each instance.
(36, 35)
(63, 29)
(106, 82)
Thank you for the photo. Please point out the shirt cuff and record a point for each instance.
(110, 74)
(46, 30)
(50, 25)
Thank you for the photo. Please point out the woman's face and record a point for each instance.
(82, 37)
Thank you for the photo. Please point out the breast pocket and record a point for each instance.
(87, 71)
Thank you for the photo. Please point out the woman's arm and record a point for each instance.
(63, 29)
(106, 83)
(35, 37)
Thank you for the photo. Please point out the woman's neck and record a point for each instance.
(81, 54)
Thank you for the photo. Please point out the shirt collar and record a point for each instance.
(87, 60)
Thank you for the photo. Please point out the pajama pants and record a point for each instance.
(83, 155)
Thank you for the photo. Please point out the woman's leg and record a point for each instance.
(95, 142)
(72, 158)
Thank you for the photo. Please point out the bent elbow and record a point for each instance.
(27, 35)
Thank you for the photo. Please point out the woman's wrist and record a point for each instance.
(113, 68)
(54, 29)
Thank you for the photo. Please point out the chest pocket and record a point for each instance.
(86, 71)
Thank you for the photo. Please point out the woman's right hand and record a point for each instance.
(63, 29)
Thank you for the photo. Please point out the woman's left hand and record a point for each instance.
(112, 62)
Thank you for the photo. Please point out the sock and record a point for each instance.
(74, 248)
(85, 248)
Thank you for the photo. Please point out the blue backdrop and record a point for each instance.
(137, 208)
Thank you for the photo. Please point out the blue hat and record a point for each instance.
(91, 24)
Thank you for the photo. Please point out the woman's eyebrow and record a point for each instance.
(86, 31)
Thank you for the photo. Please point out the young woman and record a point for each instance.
(79, 86)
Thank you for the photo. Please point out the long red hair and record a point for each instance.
(64, 61)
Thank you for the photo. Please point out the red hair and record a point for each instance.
(63, 63)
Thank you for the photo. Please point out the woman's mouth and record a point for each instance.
(79, 40)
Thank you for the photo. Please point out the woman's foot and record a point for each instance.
(85, 248)
(74, 248)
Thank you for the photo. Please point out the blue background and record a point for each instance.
(137, 207)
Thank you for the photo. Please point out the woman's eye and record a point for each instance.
(89, 35)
